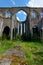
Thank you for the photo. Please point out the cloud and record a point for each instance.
(18, 19)
(19, 12)
(21, 15)
(22, 12)
(12, 2)
(35, 3)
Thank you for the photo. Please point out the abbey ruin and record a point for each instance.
(33, 25)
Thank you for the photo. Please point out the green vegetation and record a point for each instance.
(33, 50)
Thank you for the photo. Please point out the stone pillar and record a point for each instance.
(18, 27)
(28, 26)
(11, 31)
(1, 27)
(12, 26)
(42, 35)
(21, 28)
(24, 27)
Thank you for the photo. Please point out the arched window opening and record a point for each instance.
(33, 14)
(41, 14)
(8, 14)
(21, 17)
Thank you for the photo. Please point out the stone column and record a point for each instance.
(18, 27)
(1, 27)
(12, 26)
(11, 37)
(42, 34)
(24, 27)
(21, 28)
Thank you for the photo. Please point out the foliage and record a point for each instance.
(18, 37)
(25, 37)
(4, 36)
(33, 50)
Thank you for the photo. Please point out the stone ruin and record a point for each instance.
(32, 26)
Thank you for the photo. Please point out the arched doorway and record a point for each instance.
(6, 33)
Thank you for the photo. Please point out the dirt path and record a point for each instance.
(14, 56)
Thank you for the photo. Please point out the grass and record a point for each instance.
(33, 50)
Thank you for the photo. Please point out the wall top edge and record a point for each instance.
(20, 7)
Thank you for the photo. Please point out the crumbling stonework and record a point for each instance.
(30, 22)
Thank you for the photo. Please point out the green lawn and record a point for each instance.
(33, 50)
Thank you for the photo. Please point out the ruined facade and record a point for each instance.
(33, 24)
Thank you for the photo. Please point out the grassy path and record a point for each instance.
(33, 50)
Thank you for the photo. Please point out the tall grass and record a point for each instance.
(33, 50)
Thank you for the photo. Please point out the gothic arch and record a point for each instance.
(6, 32)
(34, 14)
(8, 14)
(23, 12)
(41, 13)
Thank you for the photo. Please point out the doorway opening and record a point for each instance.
(6, 33)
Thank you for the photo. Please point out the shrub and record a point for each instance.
(23, 37)
(18, 37)
(4, 36)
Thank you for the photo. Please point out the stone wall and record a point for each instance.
(12, 21)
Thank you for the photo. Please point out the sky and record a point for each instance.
(21, 16)
(35, 3)
(13, 3)
(19, 3)
(16, 3)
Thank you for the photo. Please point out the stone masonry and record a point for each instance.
(30, 22)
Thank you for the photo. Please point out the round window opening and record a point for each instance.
(21, 16)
